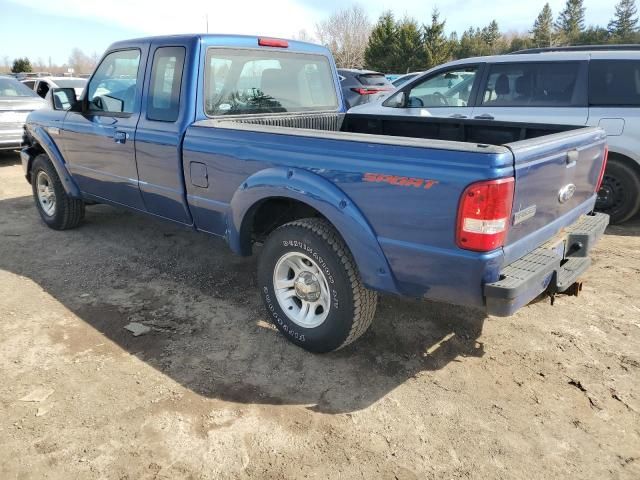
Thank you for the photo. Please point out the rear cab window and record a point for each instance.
(163, 103)
(614, 83)
(373, 80)
(535, 84)
(250, 81)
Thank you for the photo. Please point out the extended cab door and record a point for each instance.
(167, 110)
(99, 140)
(534, 92)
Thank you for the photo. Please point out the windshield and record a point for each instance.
(70, 83)
(10, 87)
(267, 81)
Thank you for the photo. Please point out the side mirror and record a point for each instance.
(399, 100)
(63, 98)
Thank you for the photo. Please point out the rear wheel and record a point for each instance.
(57, 209)
(311, 287)
(619, 195)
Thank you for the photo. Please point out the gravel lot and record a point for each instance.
(432, 391)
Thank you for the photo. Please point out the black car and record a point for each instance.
(360, 86)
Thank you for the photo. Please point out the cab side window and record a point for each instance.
(614, 83)
(532, 84)
(447, 89)
(113, 86)
(166, 79)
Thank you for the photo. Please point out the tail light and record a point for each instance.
(604, 166)
(484, 215)
(369, 90)
(273, 42)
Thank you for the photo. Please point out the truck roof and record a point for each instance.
(225, 40)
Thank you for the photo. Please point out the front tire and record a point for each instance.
(57, 209)
(311, 286)
(619, 195)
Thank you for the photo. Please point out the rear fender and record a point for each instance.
(44, 140)
(326, 198)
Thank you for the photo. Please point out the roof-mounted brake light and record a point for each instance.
(273, 42)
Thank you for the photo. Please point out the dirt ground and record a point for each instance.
(432, 391)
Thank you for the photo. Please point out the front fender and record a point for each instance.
(51, 149)
(326, 198)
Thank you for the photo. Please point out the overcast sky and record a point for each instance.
(51, 28)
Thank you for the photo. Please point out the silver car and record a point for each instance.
(16, 101)
(586, 85)
(42, 85)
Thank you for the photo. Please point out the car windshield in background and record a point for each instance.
(255, 81)
(373, 79)
(404, 79)
(68, 83)
(10, 87)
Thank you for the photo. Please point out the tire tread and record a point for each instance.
(364, 300)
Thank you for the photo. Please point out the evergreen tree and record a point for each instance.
(382, 49)
(411, 45)
(491, 35)
(570, 22)
(21, 65)
(436, 45)
(543, 28)
(625, 22)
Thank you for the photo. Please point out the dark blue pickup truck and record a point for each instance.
(248, 139)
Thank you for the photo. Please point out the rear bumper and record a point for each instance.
(552, 267)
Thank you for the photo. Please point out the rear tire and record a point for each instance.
(619, 195)
(311, 287)
(57, 209)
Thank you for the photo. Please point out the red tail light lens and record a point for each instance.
(604, 166)
(484, 215)
(273, 42)
(369, 91)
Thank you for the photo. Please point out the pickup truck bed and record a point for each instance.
(452, 153)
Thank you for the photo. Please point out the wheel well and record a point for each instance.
(629, 162)
(264, 217)
(36, 150)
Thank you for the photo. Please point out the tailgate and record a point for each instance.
(556, 175)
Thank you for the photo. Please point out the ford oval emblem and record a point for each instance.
(566, 192)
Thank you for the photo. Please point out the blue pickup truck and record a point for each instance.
(248, 139)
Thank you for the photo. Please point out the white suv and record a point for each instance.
(587, 85)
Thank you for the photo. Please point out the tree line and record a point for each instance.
(402, 45)
(78, 61)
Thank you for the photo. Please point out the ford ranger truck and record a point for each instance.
(248, 139)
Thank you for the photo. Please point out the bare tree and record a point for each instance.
(304, 36)
(80, 62)
(346, 33)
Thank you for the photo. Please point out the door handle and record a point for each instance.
(457, 115)
(120, 137)
(485, 116)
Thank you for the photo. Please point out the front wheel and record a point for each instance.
(311, 287)
(619, 195)
(57, 209)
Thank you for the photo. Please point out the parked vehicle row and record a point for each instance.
(576, 86)
(16, 102)
(249, 139)
(42, 85)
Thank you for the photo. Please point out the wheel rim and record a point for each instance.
(46, 193)
(611, 194)
(301, 289)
